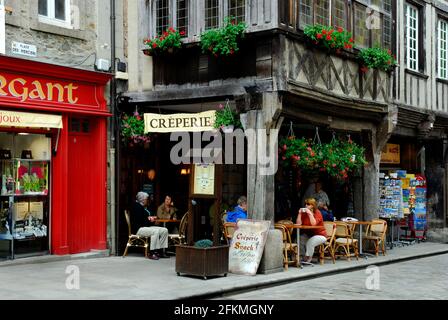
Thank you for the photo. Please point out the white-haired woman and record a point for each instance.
(142, 225)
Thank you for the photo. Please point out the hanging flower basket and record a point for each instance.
(132, 130)
(337, 158)
(226, 119)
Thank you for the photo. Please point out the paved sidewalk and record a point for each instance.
(135, 277)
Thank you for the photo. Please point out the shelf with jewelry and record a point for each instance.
(24, 204)
(24, 199)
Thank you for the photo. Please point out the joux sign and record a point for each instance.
(29, 90)
(29, 120)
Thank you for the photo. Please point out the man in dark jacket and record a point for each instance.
(142, 224)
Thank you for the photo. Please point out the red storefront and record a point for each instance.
(59, 190)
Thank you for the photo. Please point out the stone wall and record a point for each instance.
(56, 44)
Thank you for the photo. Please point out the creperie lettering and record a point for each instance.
(25, 90)
(181, 122)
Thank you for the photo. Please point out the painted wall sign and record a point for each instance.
(41, 86)
(391, 154)
(23, 89)
(24, 49)
(186, 122)
(247, 246)
(29, 120)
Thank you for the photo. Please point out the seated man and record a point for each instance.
(323, 202)
(142, 225)
(240, 211)
(167, 210)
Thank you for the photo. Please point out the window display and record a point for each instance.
(24, 197)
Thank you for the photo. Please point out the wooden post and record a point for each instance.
(375, 142)
(262, 143)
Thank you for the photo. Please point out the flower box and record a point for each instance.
(202, 262)
(223, 41)
(168, 42)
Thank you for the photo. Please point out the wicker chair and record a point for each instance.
(229, 229)
(134, 240)
(288, 246)
(344, 240)
(328, 246)
(179, 238)
(376, 233)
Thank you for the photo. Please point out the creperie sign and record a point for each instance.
(25, 90)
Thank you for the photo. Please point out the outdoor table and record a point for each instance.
(360, 224)
(298, 227)
(165, 221)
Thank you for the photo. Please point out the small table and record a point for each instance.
(360, 224)
(165, 221)
(298, 227)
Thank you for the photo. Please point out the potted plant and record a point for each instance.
(168, 42)
(376, 58)
(223, 41)
(133, 130)
(203, 259)
(226, 119)
(330, 38)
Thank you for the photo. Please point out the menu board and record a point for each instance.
(247, 246)
(204, 179)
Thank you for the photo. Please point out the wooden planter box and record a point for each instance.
(202, 262)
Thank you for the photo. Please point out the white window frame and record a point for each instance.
(443, 49)
(412, 63)
(51, 19)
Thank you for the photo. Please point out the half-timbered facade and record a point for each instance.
(278, 77)
(420, 92)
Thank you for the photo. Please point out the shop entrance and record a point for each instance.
(293, 184)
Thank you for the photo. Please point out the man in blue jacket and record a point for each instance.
(240, 211)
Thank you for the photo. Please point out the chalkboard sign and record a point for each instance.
(148, 188)
(247, 246)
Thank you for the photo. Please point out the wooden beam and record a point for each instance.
(185, 93)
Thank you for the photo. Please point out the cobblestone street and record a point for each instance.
(425, 278)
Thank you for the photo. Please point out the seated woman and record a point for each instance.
(142, 225)
(309, 239)
(240, 211)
